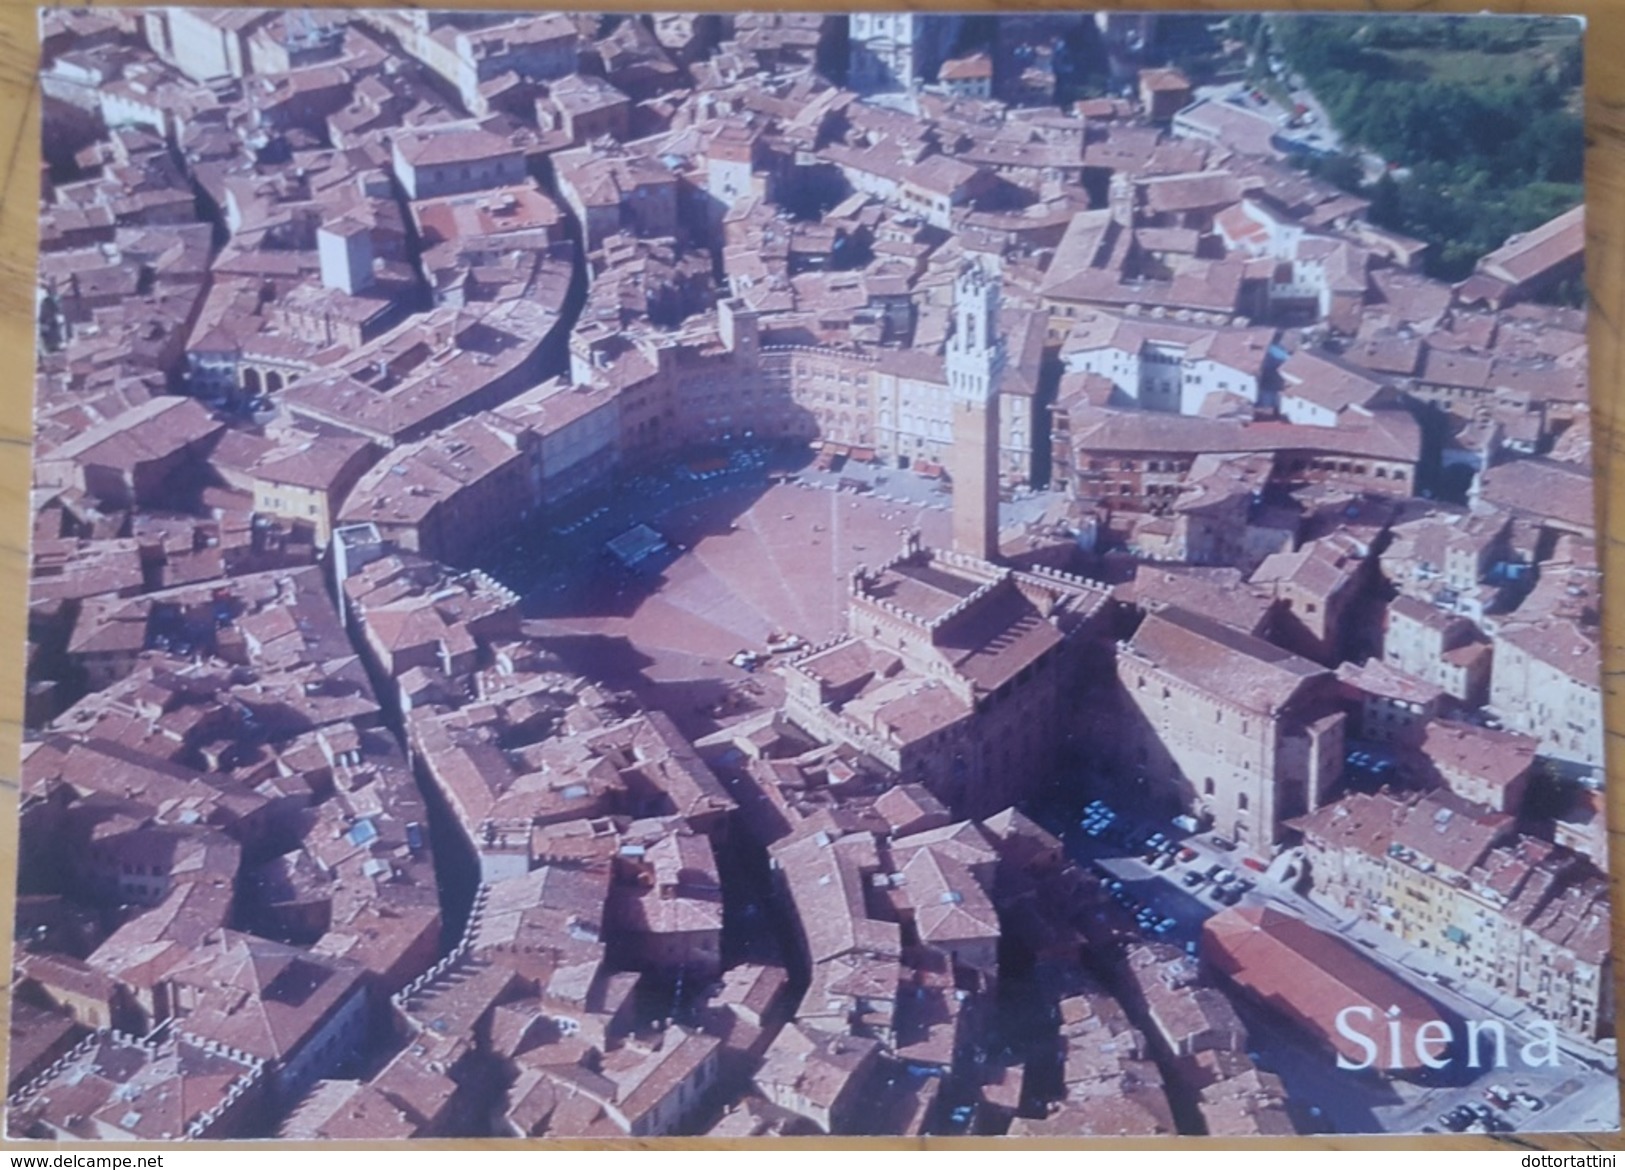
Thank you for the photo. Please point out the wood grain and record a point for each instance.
(1605, 180)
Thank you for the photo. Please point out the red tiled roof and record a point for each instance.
(1222, 660)
(1497, 758)
(1310, 976)
(1528, 256)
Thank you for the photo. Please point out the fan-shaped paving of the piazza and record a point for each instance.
(758, 562)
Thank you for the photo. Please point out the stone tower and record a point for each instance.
(975, 362)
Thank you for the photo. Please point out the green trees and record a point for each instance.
(1479, 113)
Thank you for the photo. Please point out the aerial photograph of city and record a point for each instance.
(774, 574)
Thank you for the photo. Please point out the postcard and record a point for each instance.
(754, 574)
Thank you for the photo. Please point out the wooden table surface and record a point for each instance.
(1605, 261)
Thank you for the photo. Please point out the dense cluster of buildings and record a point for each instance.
(322, 840)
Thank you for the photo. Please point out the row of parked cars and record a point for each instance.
(1474, 1117)
(1224, 885)
(1504, 1098)
(1482, 1116)
(1161, 851)
(580, 522)
(1374, 762)
(1152, 923)
(1102, 821)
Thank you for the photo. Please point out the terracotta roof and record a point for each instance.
(976, 66)
(1359, 821)
(826, 879)
(451, 146)
(910, 807)
(1223, 661)
(1177, 194)
(645, 1079)
(263, 997)
(1243, 349)
(1573, 649)
(1309, 976)
(819, 1067)
(1495, 758)
(146, 432)
(1562, 492)
(1450, 832)
(1229, 125)
(1219, 593)
(1320, 569)
(1327, 381)
(1578, 921)
(1529, 255)
(312, 463)
(1389, 434)
(1164, 80)
(1375, 677)
(116, 1085)
(950, 908)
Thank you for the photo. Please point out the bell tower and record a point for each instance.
(975, 361)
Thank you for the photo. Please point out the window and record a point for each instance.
(1241, 801)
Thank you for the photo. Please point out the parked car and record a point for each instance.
(1459, 1118)
(1193, 878)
